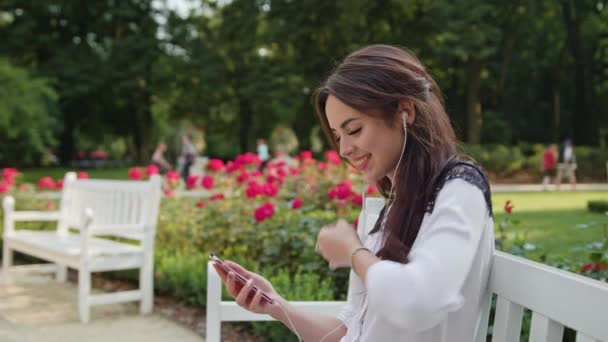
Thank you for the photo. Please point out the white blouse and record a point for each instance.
(437, 296)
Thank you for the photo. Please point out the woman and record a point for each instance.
(421, 274)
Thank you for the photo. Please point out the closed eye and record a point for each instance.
(353, 132)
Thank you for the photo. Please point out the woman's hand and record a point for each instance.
(245, 295)
(337, 243)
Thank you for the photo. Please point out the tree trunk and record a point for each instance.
(66, 141)
(583, 123)
(556, 92)
(246, 119)
(474, 118)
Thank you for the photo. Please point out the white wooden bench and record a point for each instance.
(556, 298)
(93, 208)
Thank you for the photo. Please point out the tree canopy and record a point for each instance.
(510, 71)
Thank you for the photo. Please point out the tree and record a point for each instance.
(28, 116)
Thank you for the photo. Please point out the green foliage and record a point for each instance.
(510, 71)
(591, 161)
(182, 274)
(284, 140)
(28, 115)
(506, 160)
(500, 159)
(302, 286)
(598, 206)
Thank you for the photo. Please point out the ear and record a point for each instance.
(407, 106)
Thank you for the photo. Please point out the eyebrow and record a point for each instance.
(345, 122)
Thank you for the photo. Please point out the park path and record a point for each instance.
(35, 308)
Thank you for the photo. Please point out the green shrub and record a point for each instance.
(598, 206)
(302, 286)
(182, 274)
(591, 161)
(506, 160)
(499, 159)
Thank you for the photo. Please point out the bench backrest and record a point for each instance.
(120, 208)
(557, 299)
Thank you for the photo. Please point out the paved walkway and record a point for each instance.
(550, 187)
(35, 308)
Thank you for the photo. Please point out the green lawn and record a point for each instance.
(557, 222)
(34, 174)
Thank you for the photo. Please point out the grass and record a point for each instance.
(34, 174)
(556, 222)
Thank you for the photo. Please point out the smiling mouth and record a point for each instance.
(361, 163)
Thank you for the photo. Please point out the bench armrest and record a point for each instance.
(35, 215)
(11, 216)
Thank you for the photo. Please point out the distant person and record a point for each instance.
(549, 164)
(189, 154)
(263, 153)
(567, 165)
(158, 158)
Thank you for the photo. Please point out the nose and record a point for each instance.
(346, 148)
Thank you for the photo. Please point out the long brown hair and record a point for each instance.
(375, 80)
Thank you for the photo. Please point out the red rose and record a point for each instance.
(306, 155)
(586, 267)
(200, 204)
(215, 165)
(152, 170)
(46, 183)
(270, 189)
(135, 173)
(372, 189)
(332, 157)
(172, 178)
(191, 182)
(264, 212)
(217, 197)
(297, 203)
(207, 182)
(4, 187)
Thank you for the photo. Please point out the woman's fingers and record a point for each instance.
(232, 285)
(255, 301)
(241, 299)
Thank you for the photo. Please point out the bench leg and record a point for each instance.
(7, 262)
(146, 286)
(62, 274)
(84, 291)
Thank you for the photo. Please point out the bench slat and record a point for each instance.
(580, 337)
(115, 297)
(507, 321)
(70, 244)
(35, 215)
(544, 329)
(559, 295)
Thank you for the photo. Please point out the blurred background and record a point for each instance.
(107, 80)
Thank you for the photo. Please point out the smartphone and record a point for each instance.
(239, 278)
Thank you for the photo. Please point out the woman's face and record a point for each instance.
(365, 141)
